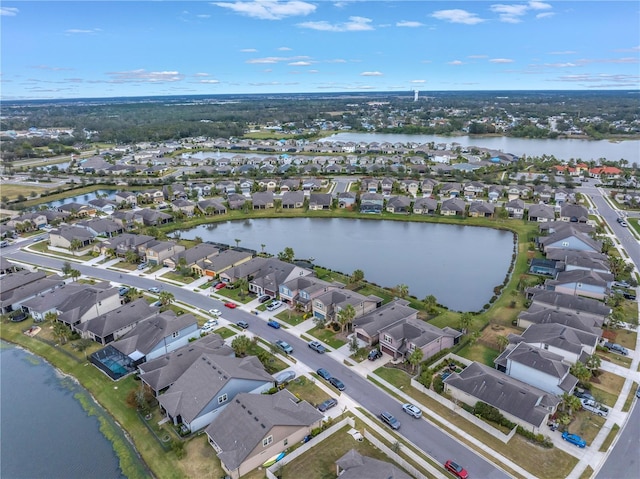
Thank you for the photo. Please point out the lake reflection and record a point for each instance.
(459, 265)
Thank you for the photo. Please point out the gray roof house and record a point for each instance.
(570, 238)
(589, 260)
(538, 367)
(354, 465)
(157, 335)
(425, 206)
(346, 200)
(262, 200)
(327, 305)
(371, 203)
(572, 344)
(123, 243)
(481, 209)
(574, 213)
(155, 252)
(102, 227)
(543, 314)
(292, 199)
(453, 207)
(209, 384)
(515, 208)
(236, 201)
(255, 427)
(18, 287)
(163, 371)
(149, 217)
(400, 339)
(63, 237)
(300, 291)
(114, 324)
(212, 206)
(399, 205)
(265, 274)
(541, 213)
(581, 282)
(367, 327)
(320, 201)
(519, 402)
(191, 256)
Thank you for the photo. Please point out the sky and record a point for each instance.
(94, 49)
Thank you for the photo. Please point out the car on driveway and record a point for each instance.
(412, 410)
(328, 404)
(215, 312)
(273, 324)
(456, 469)
(243, 324)
(574, 439)
(583, 394)
(374, 354)
(324, 374)
(153, 289)
(284, 346)
(274, 305)
(211, 322)
(207, 328)
(264, 298)
(390, 420)
(284, 377)
(230, 305)
(142, 266)
(220, 285)
(336, 383)
(317, 347)
(616, 348)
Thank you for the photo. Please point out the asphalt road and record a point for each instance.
(423, 434)
(624, 460)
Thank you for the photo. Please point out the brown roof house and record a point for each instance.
(255, 427)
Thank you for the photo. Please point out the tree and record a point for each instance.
(131, 257)
(580, 371)
(465, 321)
(240, 345)
(243, 286)
(356, 277)
(75, 274)
(402, 290)
(287, 255)
(66, 268)
(263, 246)
(75, 244)
(354, 347)
(237, 240)
(50, 317)
(415, 358)
(570, 403)
(345, 316)
(132, 294)
(61, 332)
(110, 253)
(166, 298)
(593, 363)
(430, 303)
(502, 341)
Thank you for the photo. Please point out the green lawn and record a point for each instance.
(479, 353)
(327, 336)
(307, 390)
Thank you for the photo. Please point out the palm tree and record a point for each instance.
(345, 316)
(263, 247)
(402, 290)
(240, 345)
(243, 286)
(580, 371)
(75, 244)
(356, 277)
(570, 403)
(465, 321)
(75, 274)
(61, 332)
(110, 253)
(237, 240)
(166, 298)
(414, 358)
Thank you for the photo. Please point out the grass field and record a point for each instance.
(12, 191)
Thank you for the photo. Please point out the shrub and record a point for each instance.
(438, 385)
(425, 378)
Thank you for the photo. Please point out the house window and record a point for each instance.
(387, 339)
(286, 442)
(319, 305)
(565, 243)
(175, 334)
(267, 440)
(545, 346)
(222, 399)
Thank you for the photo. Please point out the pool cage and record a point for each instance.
(112, 362)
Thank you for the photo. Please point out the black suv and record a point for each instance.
(374, 354)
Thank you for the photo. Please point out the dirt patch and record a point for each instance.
(490, 334)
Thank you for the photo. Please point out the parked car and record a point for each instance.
(574, 439)
(374, 354)
(594, 407)
(627, 295)
(456, 469)
(328, 404)
(317, 347)
(230, 305)
(274, 324)
(616, 348)
(638, 392)
(153, 289)
(142, 266)
(336, 383)
(284, 377)
(215, 312)
(390, 420)
(583, 394)
(274, 305)
(211, 322)
(243, 324)
(412, 410)
(220, 285)
(122, 291)
(207, 328)
(284, 346)
(264, 298)
(324, 374)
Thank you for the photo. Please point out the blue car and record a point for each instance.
(574, 439)
(273, 324)
(324, 374)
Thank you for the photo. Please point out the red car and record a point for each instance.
(230, 305)
(456, 469)
(220, 285)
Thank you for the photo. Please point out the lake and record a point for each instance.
(108, 194)
(459, 265)
(45, 431)
(562, 149)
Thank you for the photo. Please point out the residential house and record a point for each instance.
(292, 199)
(572, 213)
(582, 282)
(543, 314)
(302, 290)
(605, 172)
(481, 209)
(369, 185)
(289, 184)
(163, 371)
(346, 200)
(102, 227)
(543, 193)
(156, 252)
(120, 245)
(68, 235)
(570, 343)
(127, 197)
(104, 205)
(255, 427)
(386, 185)
(77, 210)
(114, 324)
(189, 257)
(515, 208)
(518, 191)
(208, 385)
(367, 327)
(450, 190)
(16, 288)
(427, 186)
(495, 193)
(543, 266)
(568, 303)
(412, 187)
(371, 203)
(28, 221)
(213, 206)
(538, 367)
(125, 218)
(519, 402)
(148, 217)
(185, 206)
(320, 201)
(237, 201)
(214, 265)
(587, 260)
(473, 189)
(399, 205)
(541, 213)
(453, 207)
(570, 238)
(425, 206)
(262, 200)
(354, 465)
(151, 196)
(311, 184)
(401, 339)
(327, 306)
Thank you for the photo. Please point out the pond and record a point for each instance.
(459, 265)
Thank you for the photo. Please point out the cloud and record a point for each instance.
(210, 82)
(203, 15)
(284, 49)
(409, 24)
(418, 81)
(337, 60)
(501, 60)
(276, 60)
(565, 52)
(371, 74)
(457, 16)
(201, 75)
(143, 76)
(249, 50)
(545, 15)
(560, 65)
(514, 13)
(601, 81)
(50, 68)
(477, 57)
(355, 24)
(300, 64)
(455, 62)
(8, 11)
(269, 9)
(73, 31)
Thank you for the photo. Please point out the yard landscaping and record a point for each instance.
(306, 389)
(606, 387)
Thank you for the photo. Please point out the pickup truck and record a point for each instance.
(616, 348)
(594, 407)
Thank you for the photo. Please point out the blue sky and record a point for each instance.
(64, 49)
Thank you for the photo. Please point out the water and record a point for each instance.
(83, 199)
(45, 431)
(459, 265)
(562, 149)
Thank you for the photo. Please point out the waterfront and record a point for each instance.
(46, 432)
(459, 265)
(562, 149)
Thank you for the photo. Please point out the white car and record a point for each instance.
(154, 290)
(215, 312)
(274, 305)
(211, 322)
(412, 410)
(207, 328)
